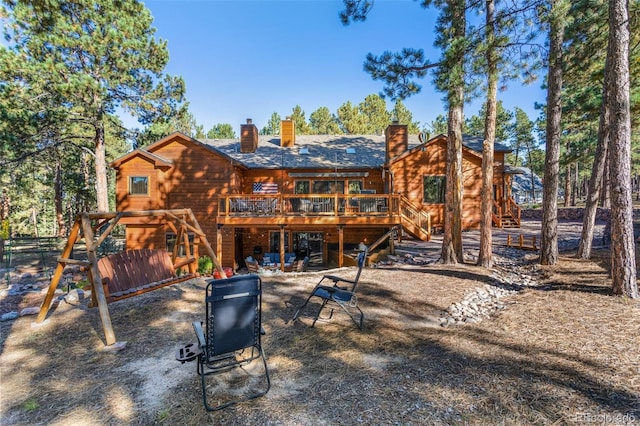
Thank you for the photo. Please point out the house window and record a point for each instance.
(328, 187)
(302, 187)
(434, 189)
(138, 185)
(274, 242)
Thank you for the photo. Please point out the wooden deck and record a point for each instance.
(359, 210)
(309, 209)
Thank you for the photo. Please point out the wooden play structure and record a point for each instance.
(521, 244)
(130, 272)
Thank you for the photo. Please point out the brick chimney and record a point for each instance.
(287, 133)
(248, 137)
(397, 139)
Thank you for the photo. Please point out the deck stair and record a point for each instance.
(415, 222)
(506, 214)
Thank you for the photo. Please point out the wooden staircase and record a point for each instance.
(414, 221)
(507, 216)
(509, 221)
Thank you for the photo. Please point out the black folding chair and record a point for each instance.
(230, 339)
(343, 295)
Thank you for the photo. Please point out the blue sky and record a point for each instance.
(247, 59)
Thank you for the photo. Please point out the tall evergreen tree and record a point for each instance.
(450, 78)
(401, 113)
(273, 125)
(97, 56)
(399, 72)
(486, 203)
(221, 131)
(521, 136)
(182, 121)
(557, 16)
(322, 122)
(439, 125)
(351, 120)
(374, 111)
(298, 117)
(475, 125)
(623, 259)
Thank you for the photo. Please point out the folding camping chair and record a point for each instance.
(231, 337)
(343, 295)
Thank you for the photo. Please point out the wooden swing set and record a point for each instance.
(130, 272)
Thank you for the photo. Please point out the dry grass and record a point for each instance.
(565, 352)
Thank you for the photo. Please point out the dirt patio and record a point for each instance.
(559, 351)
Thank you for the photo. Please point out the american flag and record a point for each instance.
(265, 188)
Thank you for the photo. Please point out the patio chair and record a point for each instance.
(230, 339)
(300, 265)
(252, 265)
(342, 293)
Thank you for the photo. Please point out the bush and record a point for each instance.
(205, 265)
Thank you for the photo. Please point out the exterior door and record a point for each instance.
(309, 244)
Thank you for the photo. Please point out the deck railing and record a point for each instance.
(510, 210)
(392, 209)
(418, 218)
(308, 204)
(514, 209)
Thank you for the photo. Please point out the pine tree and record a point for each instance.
(374, 111)
(322, 122)
(96, 56)
(221, 131)
(298, 117)
(351, 120)
(401, 113)
(549, 235)
(623, 259)
(273, 125)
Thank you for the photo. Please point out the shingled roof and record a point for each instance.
(321, 151)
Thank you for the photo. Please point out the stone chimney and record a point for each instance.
(248, 137)
(287, 133)
(397, 139)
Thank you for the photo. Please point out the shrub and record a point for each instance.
(205, 265)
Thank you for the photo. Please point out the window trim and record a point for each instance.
(130, 186)
(441, 193)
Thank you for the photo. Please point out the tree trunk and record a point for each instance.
(574, 184)
(597, 174)
(567, 186)
(605, 198)
(486, 237)
(58, 195)
(102, 192)
(516, 151)
(4, 220)
(533, 179)
(549, 231)
(452, 238)
(623, 258)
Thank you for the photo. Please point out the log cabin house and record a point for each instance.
(314, 195)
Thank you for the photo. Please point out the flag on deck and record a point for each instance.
(265, 188)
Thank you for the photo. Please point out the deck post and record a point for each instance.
(340, 246)
(282, 259)
(218, 255)
(392, 244)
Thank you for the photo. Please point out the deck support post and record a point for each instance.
(219, 246)
(340, 246)
(282, 259)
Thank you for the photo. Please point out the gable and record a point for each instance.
(155, 160)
